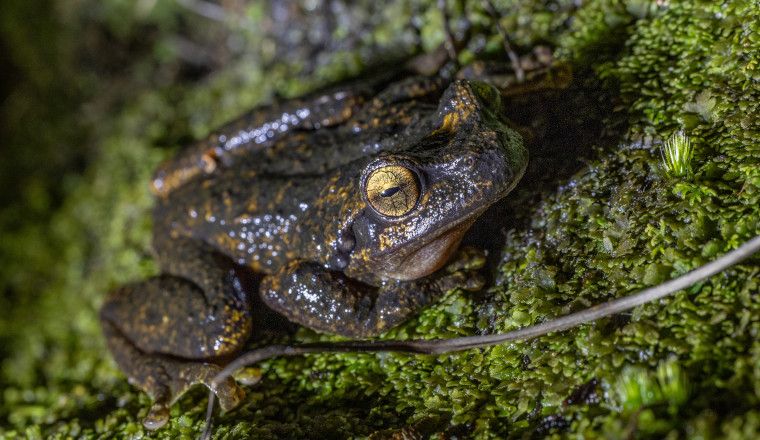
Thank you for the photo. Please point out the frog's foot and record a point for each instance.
(164, 378)
(248, 376)
(182, 376)
(463, 271)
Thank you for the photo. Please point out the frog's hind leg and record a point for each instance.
(165, 332)
(165, 379)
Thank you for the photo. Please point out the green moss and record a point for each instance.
(686, 365)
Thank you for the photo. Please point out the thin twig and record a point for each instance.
(513, 58)
(206, 9)
(206, 434)
(450, 42)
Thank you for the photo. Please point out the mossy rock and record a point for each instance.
(84, 133)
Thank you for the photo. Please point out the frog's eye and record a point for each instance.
(392, 190)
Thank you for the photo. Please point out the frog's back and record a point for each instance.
(306, 136)
(249, 189)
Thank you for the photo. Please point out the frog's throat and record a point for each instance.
(431, 256)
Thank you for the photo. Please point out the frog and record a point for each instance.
(339, 211)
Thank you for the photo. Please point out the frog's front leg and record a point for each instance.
(329, 301)
(165, 333)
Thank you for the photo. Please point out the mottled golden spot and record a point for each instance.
(346, 114)
(385, 242)
(226, 242)
(274, 282)
(252, 206)
(464, 104)
(208, 162)
(450, 121)
(282, 192)
(392, 190)
(363, 255)
(208, 211)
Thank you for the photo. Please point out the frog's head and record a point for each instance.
(420, 202)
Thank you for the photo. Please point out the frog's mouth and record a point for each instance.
(431, 255)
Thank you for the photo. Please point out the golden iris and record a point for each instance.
(392, 190)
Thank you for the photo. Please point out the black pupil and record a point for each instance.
(390, 191)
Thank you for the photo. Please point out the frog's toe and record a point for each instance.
(186, 374)
(248, 376)
(474, 281)
(463, 271)
(157, 417)
(228, 392)
(183, 375)
(468, 280)
(468, 258)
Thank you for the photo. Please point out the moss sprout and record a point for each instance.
(673, 383)
(677, 154)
